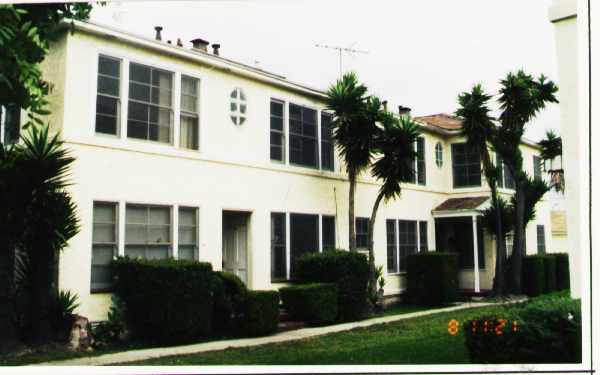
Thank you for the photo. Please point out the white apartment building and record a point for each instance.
(183, 153)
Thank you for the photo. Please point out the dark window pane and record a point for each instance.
(276, 108)
(466, 166)
(136, 129)
(421, 179)
(423, 236)
(407, 234)
(106, 124)
(139, 73)
(362, 232)
(537, 168)
(295, 112)
(276, 153)
(138, 111)
(139, 92)
(108, 85)
(276, 139)
(541, 240)
(106, 105)
(328, 232)
(276, 123)
(304, 236)
(392, 246)
(108, 66)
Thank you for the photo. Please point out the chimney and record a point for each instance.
(199, 44)
(216, 47)
(158, 30)
(168, 41)
(384, 103)
(403, 110)
(179, 42)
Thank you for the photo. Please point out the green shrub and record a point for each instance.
(315, 303)
(167, 301)
(563, 279)
(533, 275)
(548, 330)
(261, 313)
(230, 295)
(432, 278)
(112, 329)
(348, 270)
(63, 307)
(550, 273)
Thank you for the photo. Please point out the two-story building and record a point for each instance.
(183, 153)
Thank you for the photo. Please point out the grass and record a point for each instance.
(422, 340)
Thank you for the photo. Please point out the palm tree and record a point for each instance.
(353, 133)
(478, 129)
(394, 163)
(551, 149)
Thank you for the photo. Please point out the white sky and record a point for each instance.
(421, 54)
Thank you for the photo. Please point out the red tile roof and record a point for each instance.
(442, 120)
(467, 203)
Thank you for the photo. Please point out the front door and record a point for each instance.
(235, 244)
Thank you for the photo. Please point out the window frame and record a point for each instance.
(393, 246)
(196, 228)
(366, 234)
(415, 250)
(115, 245)
(170, 245)
(183, 113)
(540, 245)
(317, 165)
(286, 271)
(282, 133)
(537, 168)
(453, 146)
(420, 162)
(322, 247)
(326, 143)
(240, 117)
(119, 99)
(439, 155)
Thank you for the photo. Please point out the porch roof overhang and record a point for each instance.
(465, 206)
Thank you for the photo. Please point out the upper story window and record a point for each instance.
(537, 167)
(439, 155)
(277, 131)
(150, 113)
(466, 166)
(10, 124)
(108, 99)
(326, 142)
(189, 118)
(303, 136)
(418, 163)
(506, 179)
(237, 106)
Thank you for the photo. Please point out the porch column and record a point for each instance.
(475, 255)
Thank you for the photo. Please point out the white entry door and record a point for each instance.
(235, 244)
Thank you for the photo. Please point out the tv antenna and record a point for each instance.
(348, 50)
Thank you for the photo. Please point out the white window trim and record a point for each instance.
(285, 131)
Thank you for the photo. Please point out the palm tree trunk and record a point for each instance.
(351, 229)
(517, 255)
(372, 276)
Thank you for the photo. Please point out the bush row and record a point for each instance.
(545, 273)
(349, 271)
(547, 329)
(315, 303)
(432, 278)
(173, 301)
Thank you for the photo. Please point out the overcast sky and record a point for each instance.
(420, 54)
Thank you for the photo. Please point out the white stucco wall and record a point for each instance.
(231, 171)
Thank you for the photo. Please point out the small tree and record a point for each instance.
(353, 132)
(394, 163)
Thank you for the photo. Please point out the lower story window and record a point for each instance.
(187, 247)
(362, 233)
(104, 244)
(423, 236)
(304, 237)
(147, 231)
(278, 247)
(407, 241)
(541, 239)
(328, 230)
(392, 246)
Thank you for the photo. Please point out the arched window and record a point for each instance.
(237, 106)
(439, 160)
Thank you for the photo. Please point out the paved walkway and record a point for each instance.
(143, 354)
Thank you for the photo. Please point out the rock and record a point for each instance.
(80, 336)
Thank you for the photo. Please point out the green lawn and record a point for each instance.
(423, 340)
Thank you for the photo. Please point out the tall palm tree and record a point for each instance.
(394, 163)
(353, 133)
(479, 130)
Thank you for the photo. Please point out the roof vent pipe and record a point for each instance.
(216, 47)
(384, 103)
(199, 44)
(158, 30)
(179, 42)
(403, 110)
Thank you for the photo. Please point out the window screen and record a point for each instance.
(541, 240)
(328, 230)
(108, 99)
(326, 142)
(104, 244)
(362, 232)
(304, 237)
(147, 231)
(150, 114)
(189, 118)
(278, 247)
(466, 166)
(188, 234)
(392, 246)
(303, 136)
(277, 132)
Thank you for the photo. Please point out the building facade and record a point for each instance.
(183, 153)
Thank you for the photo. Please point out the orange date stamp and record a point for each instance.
(497, 326)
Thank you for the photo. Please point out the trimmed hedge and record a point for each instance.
(348, 270)
(260, 313)
(167, 301)
(533, 277)
(563, 279)
(550, 273)
(230, 294)
(548, 330)
(432, 278)
(315, 303)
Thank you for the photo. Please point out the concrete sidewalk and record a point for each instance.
(143, 354)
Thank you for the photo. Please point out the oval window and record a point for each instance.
(237, 106)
